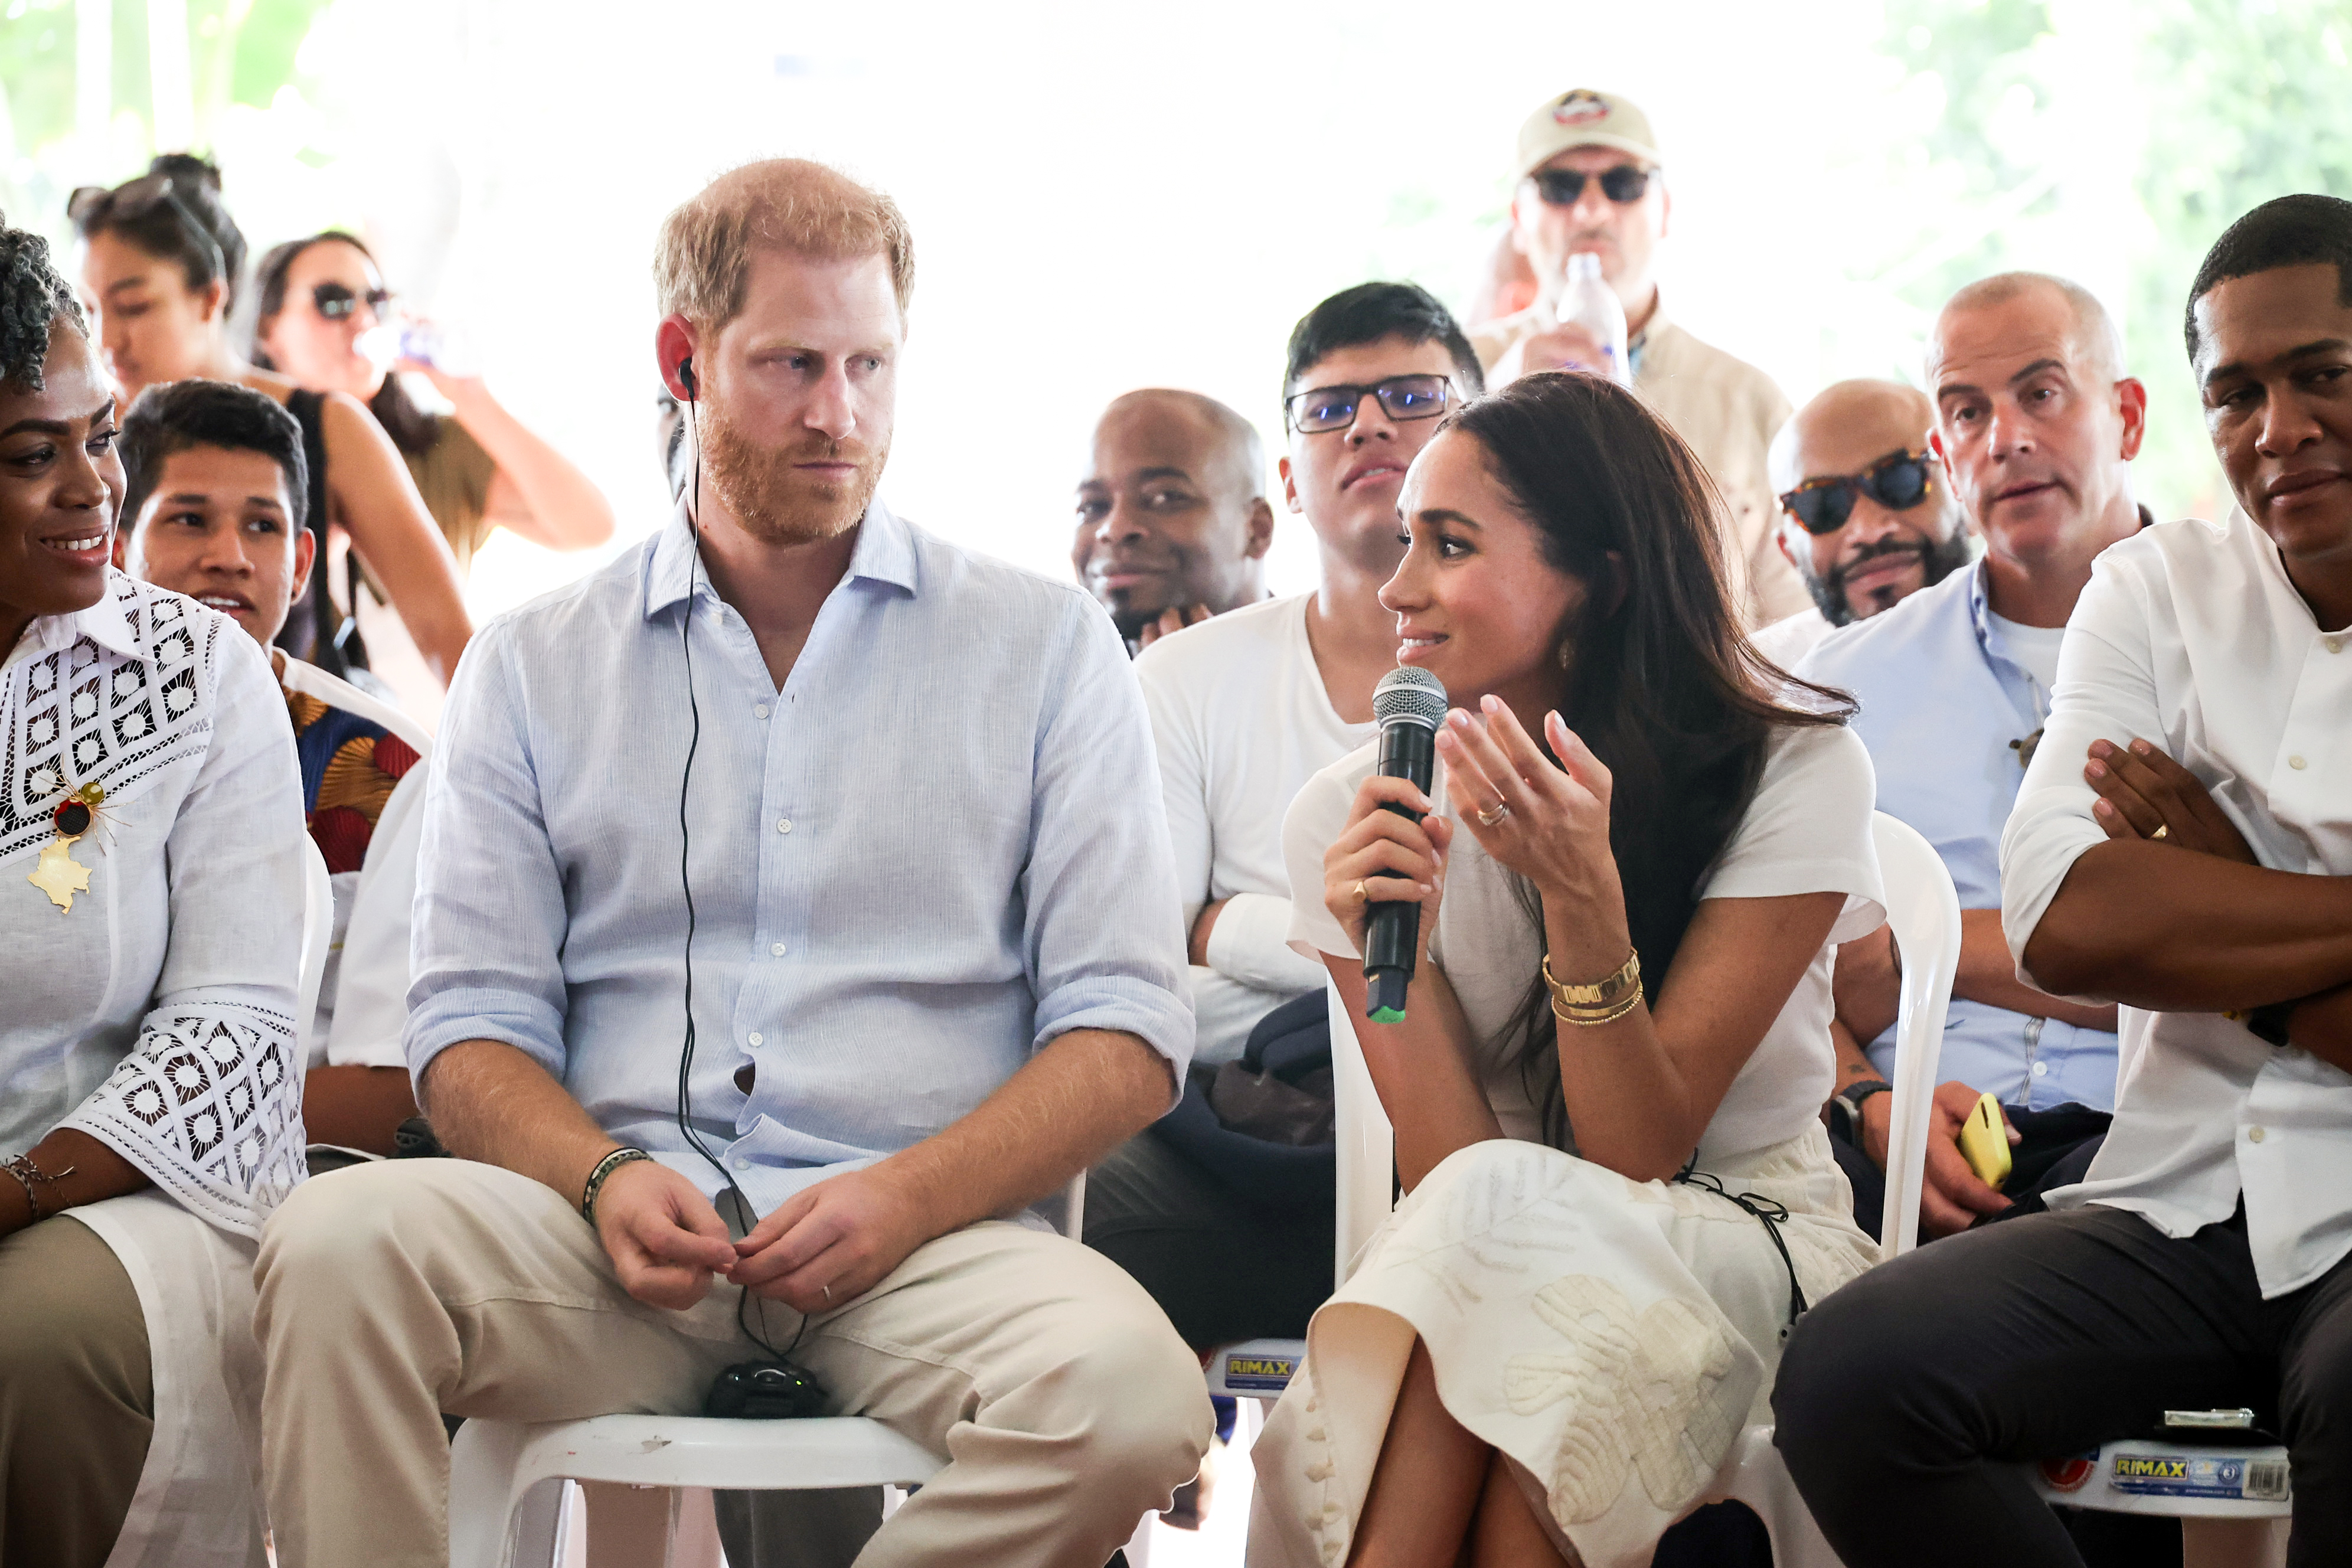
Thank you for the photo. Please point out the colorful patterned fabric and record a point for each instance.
(350, 766)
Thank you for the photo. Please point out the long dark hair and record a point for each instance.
(1660, 679)
(412, 429)
(190, 226)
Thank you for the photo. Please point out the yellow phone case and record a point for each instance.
(1984, 1142)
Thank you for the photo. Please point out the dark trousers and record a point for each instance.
(1907, 1398)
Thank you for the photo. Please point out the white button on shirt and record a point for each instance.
(2192, 637)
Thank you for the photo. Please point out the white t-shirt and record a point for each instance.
(2034, 649)
(1242, 719)
(1807, 831)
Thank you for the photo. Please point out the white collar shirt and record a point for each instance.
(155, 1012)
(940, 845)
(2191, 636)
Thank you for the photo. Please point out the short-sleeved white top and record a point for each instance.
(1807, 831)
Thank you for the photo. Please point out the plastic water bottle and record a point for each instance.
(1589, 303)
(439, 347)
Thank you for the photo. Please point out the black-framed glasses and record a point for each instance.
(1402, 398)
(1624, 184)
(1898, 481)
(135, 199)
(336, 301)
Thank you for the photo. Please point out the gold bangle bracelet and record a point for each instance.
(1593, 1018)
(1603, 993)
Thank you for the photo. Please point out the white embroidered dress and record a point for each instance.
(157, 1014)
(1609, 1337)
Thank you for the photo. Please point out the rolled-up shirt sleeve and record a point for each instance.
(488, 937)
(1103, 940)
(2106, 689)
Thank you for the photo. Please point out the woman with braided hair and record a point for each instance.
(151, 908)
(161, 256)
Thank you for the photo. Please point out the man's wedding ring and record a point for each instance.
(1489, 818)
(828, 1294)
(1361, 896)
(2161, 829)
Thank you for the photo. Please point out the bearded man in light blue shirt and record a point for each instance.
(795, 911)
(2035, 426)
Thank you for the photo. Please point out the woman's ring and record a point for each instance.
(1361, 896)
(2161, 829)
(1489, 818)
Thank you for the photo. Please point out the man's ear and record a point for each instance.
(1781, 538)
(1289, 485)
(2131, 401)
(306, 550)
(1261, 528)
(675, 341)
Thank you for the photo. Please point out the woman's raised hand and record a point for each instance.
(1382, 858)
(1548, 822)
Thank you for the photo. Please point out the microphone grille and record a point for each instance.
(1409, 693)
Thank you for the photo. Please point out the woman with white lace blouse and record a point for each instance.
(1607, 1083)
(151, 898)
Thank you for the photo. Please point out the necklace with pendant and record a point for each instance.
(58, 874)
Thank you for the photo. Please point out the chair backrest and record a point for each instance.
(317, 930)
(1366, 1142)
(1925, 912)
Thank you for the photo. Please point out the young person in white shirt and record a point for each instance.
(1244, 708)
(150, 928)
(2181, 847)
(215, 485)
(1613, 1208)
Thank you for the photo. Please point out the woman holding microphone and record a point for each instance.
(1636, 864)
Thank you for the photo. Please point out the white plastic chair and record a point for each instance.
(317, 930)
(506, 1477)
(1925, 911)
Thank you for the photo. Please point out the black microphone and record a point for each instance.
(1410, 705)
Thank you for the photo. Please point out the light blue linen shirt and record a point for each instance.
(940, 845)
(1942, 708)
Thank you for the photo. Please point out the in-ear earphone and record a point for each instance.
(686, 377)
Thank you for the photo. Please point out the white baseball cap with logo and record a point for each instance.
(1581, 116)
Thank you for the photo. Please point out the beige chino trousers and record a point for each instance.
(389, 1293)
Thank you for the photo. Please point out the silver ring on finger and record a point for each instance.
(1502, 809)
(828, 1294)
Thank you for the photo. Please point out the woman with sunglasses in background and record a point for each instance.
(159, 262)
(322, 306)
(1607, 1085)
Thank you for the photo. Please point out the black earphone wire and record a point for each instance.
(685, 882)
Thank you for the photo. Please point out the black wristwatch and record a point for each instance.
(1851, 1095)
(2268, 1022)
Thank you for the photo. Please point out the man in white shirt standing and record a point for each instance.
(212, 508)
(2181, 845)
(1244, 708)
(1173, 522)
(1864, 517)
(1590, 182)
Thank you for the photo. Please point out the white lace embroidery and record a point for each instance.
(206, 1103)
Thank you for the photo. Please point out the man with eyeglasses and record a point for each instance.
(1173, 522)
(1862, 517)
(1590, 182)
(2035, 425)
(1244, 708)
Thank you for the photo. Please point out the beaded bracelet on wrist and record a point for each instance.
(602, 1173)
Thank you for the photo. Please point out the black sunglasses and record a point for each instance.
(1898, 481)
(1400, 398)
(336, 302)
(134, 200)
(1624, 184)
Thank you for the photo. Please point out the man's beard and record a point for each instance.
(1939, 561)
(774, 501)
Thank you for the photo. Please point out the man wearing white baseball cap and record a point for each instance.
(1591, 181)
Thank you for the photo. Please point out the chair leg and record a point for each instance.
(486, 1495)
(538, 1527)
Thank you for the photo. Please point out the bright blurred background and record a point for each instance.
(1108, 196)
